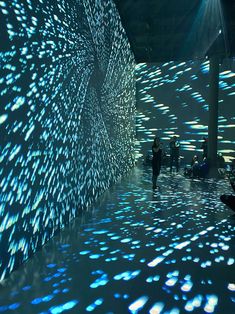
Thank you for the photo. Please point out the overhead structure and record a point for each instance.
(166, 30)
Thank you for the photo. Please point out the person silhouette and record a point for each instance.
(174, 153)
(156, 161)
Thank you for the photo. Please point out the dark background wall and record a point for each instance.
(172, 99)
(67, 95)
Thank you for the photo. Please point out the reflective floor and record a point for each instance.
(135, 251)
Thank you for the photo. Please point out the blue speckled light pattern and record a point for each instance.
(172, 99)
(136, 251)
(67, 114)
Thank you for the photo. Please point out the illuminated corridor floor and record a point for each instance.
(136, 252)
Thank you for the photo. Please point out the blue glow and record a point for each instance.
(137, 305)
(157, 308)
(93, 306)
(183, 110)
(212, 301)
(14, 306)
(128, 275)
(65, 307)
(102, 281)
(61, 93)
(156, 261)
(184, 242)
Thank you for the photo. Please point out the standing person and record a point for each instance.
(174, 153)
(204, 147)
(221, 165)
(156, 161)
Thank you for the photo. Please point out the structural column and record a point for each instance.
(213, 114)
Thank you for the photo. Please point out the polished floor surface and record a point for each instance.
(136, 251)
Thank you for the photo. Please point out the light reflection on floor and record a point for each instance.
(136, 251)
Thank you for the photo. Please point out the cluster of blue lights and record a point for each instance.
(173, 100)
(156, 253)
(66, 119)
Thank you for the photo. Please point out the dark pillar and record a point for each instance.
(213, 114)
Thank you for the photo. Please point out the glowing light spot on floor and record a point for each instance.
(212, 301)
(137, 305)
(14, 306)
(93, 306)
(102, 281)
(171, 282)
(61, 308)
(157, 308)
(182, 245)
(187, 286)
(156, 261)
(84, 252)
(197, 301)
(95, 256)
(126, 240)
(128, 275)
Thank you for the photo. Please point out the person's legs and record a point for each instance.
(154, 180)
(171, 162)
(154, 176)
(177, 163)
(156, 172)
(196, 171)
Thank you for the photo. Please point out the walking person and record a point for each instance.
(156, 161)
(174, 153)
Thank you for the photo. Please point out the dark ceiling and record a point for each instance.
(167, 30)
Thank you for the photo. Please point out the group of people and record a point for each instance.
(197, 169)
(174, 146)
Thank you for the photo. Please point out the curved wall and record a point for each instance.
(67, 94)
